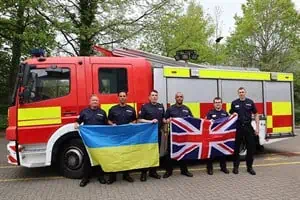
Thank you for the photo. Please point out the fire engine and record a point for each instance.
(50, 92)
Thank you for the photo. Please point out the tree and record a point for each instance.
(21, 28)
(190, 30)
(84, 23)
(266, 36)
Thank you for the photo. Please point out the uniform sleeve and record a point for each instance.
(208, 115)
(254, 110)
(226, 113)
(232, 108)
(167, 114)
(105, 117)
(163, 113)
(110, 115)
(134, 115)
(190, 112)
(142, 113)
(80, 118)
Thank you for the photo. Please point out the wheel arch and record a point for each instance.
(58, 138)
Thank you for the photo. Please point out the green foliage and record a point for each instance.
(21, 29)
(83, 23)
(176, 31)
(3, 116)
(297, 96)
(266, 36)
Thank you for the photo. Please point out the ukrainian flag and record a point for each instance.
(121, 148)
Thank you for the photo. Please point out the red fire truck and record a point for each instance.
(51, 91)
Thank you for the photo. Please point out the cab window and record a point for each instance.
(48, 84)
(112, 80)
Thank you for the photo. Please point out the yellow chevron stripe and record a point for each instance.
(195, 108)
(176, 72)
(282, 130)
(230, 74)
(39, 116)
(281, 108)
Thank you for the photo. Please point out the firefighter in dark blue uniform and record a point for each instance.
(118, 115)
(217, 113)
(244, 108)
(93, 115)
(152, 112)
(181, 111)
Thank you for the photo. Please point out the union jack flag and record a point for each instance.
(193, 138)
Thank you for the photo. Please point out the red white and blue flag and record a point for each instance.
(193, 138)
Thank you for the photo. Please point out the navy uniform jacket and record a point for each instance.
(92, 117)
(215, 114)
(178, 111)
(151, 111)
(244, 109)
(122, 115)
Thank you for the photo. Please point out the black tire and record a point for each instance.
(73, 159)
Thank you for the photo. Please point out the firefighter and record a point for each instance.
(118, 115)
(181, 111)
(244, 108)
(217, 113)
(93, 115)
(152, 112)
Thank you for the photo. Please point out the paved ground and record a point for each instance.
(278, 177)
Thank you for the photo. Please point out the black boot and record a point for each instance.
(84, 182)
(251, 171)
(143, 176)
(168, 174)
(187, 173)
(210, 171)
(112, 178)
(101, 179)
(128, 178)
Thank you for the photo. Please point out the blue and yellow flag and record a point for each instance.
(121, 148)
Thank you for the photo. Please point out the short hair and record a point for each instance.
(178, 93)
(93, 95)
(241, 88)
(155, 91)
(121, 92)
(217, 98)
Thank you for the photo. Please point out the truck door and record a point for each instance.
(198, 93)
(109, 79)
(52, 102)
(279, 108)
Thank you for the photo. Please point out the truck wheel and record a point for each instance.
(73, 159)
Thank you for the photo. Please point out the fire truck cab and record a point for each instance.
(50, 93)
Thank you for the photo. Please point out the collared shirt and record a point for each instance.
(151, 111)
(244, 109)
(216, 114)
(122, 114)
(178, 111)
(90, 116)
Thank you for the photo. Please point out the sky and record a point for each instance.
(229, 9)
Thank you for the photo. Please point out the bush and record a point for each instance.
(3, 116)
(297, 115)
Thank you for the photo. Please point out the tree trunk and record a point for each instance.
(17, 44)
(87, 12)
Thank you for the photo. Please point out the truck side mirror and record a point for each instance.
(24, 97)
(26, 75)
